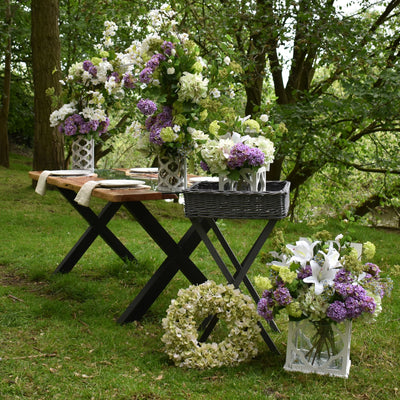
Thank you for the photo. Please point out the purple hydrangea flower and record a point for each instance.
(204, 166)
(344, 289)
(373, 269)
(154, 61)
(304, 272)
(337, 311)
(256, 157)
(343, 276)
(167, 47)
(129, 82)
(238, 155)
(93, 70)
(282, 296)
(89, 126)
(145, 75)
(103, 126)
(263, 310)
(87, 64)
(146, 106)
(116, 76)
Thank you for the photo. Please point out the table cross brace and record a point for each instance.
(98, 227)
(240, 274)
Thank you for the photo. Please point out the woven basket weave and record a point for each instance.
(205, 200)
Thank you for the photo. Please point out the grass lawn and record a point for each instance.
(60, 340)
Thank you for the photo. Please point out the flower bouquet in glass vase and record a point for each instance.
(239, 153)
(323, 285)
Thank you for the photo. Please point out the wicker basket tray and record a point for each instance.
(205, 200)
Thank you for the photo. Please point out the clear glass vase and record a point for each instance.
(172, 173)
(249, 180)
(321, 347)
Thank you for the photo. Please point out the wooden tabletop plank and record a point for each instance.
(115, 195)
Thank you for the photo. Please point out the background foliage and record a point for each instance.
(330, 74)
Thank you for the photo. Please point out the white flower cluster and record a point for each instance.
(59, 115)
(191, 307)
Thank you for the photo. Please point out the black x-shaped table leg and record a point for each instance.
(177, 259)
(241, 270)
(97, 227)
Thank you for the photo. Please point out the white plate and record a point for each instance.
(204, 179)
(144, 170)
(72, 172)
(113, 183)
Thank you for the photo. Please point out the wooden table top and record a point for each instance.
(115, 195)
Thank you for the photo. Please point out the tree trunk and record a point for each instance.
(45, 40)
(4, 145)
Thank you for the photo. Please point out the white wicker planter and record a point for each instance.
(333, 357)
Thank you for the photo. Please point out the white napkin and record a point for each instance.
(85, 192)
(41, 184)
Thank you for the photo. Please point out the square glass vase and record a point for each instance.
(251, 181)
(319, 347)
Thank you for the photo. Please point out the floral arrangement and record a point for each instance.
(92, 87)
(231, 149)
(191, 307)
(176, 86)
(326, 282)
(323, 280)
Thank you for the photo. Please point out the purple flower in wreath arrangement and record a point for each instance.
(146, 106)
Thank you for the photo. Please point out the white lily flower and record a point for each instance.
(323, 276)
(303, 251)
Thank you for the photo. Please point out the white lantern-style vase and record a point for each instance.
(319, 347)
(82, 156)
(172, 173)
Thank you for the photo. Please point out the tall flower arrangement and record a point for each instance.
(92, 87)
(176, 86)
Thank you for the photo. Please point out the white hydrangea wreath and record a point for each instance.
(191, 307)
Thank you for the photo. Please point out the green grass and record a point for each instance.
(60, 340)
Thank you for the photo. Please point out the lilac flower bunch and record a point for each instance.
(75, 124)
(323, 280)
